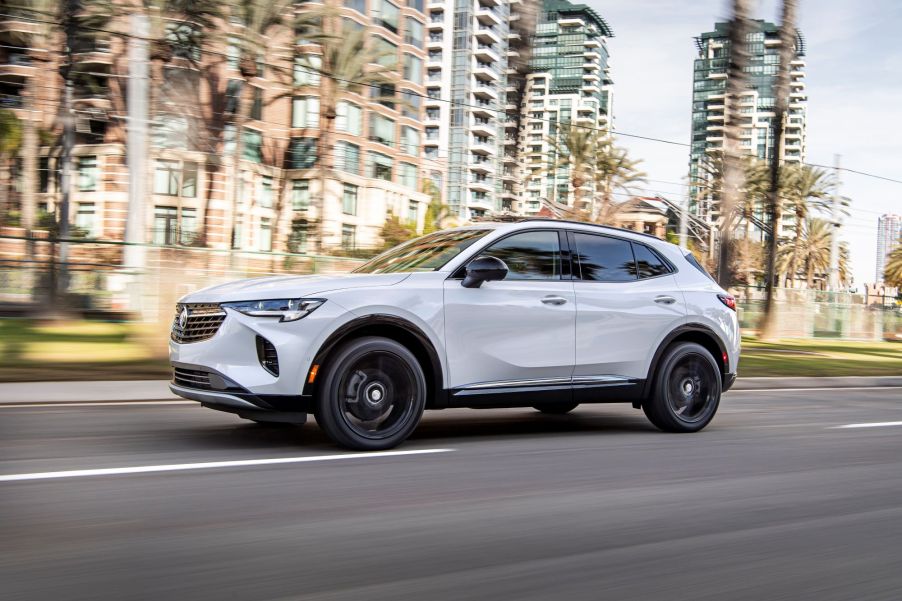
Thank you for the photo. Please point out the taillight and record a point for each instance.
(728, 300)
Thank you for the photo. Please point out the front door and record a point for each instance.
(518, 331)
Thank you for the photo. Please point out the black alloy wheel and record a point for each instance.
(372, 394)
(687, 389)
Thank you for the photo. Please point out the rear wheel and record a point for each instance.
(556, 408)
(687, 389)
(372, 395)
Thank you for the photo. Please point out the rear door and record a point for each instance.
(626, 302)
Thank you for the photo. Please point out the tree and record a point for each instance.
(394, 232)
(812, 256)
(573, 148)
(613, 170)
(10, 143)
(892, 273)
(806, 188)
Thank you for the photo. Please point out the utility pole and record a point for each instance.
(835, 220)
(134, 255)
(684, 220)
(61, 284)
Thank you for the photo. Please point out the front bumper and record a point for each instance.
(249, 406)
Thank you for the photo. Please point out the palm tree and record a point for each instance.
(613, 170)
(814, 260)
(892, 273)
(10, 143)
(574, 148)
(807, 188)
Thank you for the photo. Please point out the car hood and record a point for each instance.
(290, 286)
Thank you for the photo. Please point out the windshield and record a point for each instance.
(427, 253)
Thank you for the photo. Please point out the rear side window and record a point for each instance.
(648, 263)
(604, 259)
(529, 256)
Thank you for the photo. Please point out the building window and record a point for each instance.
(410, 140)
(413, 32)
(410, 104)
(349, 199)
(413, 212)
(228, 139)
(348, 237)
(306, 70)
(408, 175)
(349, 118)
(188, 228)
(297, 238)
(183, 39)
(88, 173)
(266, 191)
(358, 5)
(85, 219)
(300, 194)
(305, 112)
(382, 129)
(233, 52)
(257, 104)
(347, 157)
(416, 4)
(384, 94)
(413, 68)
(253, 145)
(386, 53)
(386, 14)
(265, 239)
(302, 153)
(44, 175)
(165, 225)
(172, 178)
(380, 166)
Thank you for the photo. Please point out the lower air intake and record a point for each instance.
(267, 355)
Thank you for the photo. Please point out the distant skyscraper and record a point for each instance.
(756, 105)
(889, 230)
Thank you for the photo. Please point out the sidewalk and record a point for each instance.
(158, 390)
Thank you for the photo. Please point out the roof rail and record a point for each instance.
(598, 225)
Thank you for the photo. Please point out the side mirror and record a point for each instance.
(484, 269)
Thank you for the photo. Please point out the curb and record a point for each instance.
(158, 390)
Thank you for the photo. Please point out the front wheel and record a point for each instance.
(687, 389)
(372, 395)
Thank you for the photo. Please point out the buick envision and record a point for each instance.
(541, 313)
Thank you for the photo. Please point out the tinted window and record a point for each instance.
(603, 259)
(648, 263)
(529, 256)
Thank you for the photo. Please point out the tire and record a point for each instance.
(372, 395)
(556, 408)
(687, 389)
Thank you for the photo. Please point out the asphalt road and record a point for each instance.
(771, 502)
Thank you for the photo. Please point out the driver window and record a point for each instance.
(529, 255)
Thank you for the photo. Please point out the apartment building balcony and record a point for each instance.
(513, 36)
(509, 159)
(432, 117)
(483, 184)
(487, 34)
(92, 99)
(18, 22)
(483, 126)
(512, 53)
(435, 41)
(483, 108)
(487, 52)
(585, 119)
(717, 128)
(592, 43)
(434, 61)
(510, 140)
(484, 147)
(483, 165)
(717, 137)
(793, 134)
(591, 87)
(570, 22)
(716, 117)
(593, 77)
(16, 67)
(436, 23)
(485, 72)
(484, 91)
(489, 3)
(488, 16)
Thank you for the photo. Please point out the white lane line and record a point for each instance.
(175, 467)
(871, 425)
(63, 404)
(813, 389)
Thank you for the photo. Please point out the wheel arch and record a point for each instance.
(691, 332)
(394, 328)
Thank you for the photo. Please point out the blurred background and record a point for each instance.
(152, 148)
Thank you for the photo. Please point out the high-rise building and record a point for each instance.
(208, 101)
(889, 232)
(756, 106)
(569, 82)
(466, 68)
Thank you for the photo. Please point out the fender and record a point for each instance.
(377, 324)
(682, 331)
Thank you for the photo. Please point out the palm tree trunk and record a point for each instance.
(324, 153)
(768, 329)
(733, 172)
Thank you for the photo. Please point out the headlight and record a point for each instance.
(290, 309)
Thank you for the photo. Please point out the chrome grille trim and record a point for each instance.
(203, 322)
(191, 378)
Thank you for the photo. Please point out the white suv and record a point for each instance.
(540, 313)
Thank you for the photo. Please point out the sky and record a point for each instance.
(853, 80)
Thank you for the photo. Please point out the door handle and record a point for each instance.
(665, 300)
(554, 300)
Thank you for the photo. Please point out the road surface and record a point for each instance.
(775, 500)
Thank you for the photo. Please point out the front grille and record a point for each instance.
(191, 378)
(195, 322)
(267, 355)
